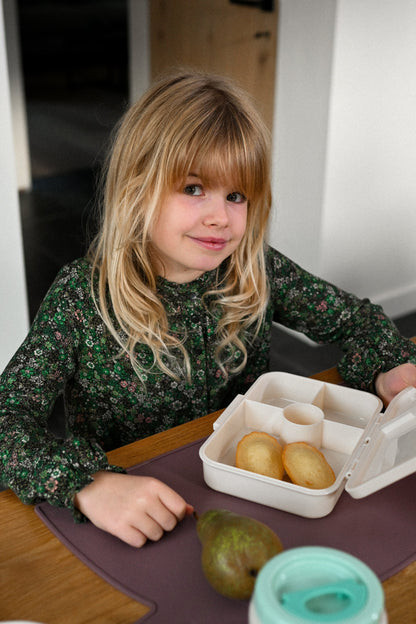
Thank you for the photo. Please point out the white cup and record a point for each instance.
(302, 422)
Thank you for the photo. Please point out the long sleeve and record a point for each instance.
(326, 314)
(35, 464)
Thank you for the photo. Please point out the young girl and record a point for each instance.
(169, 316)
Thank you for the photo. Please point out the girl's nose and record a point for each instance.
(217, 213)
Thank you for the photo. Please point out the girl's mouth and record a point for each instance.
(215, 244)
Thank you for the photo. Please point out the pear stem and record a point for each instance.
(195, 515)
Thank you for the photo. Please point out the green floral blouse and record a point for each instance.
(69, 351)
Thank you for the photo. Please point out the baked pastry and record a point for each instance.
(306, 466)
(260, 452)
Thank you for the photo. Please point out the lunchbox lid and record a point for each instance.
(388, 451)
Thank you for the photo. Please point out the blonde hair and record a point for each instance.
(184, 119)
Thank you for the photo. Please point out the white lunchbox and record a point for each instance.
(368, 449)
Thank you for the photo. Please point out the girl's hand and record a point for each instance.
(394, 381)
(130, 507)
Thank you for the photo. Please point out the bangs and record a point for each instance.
(224, 149)
(229, 167)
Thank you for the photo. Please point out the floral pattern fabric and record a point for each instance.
(69, 351)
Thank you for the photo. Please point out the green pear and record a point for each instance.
(234, 548)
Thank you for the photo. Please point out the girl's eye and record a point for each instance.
(193, 189)
(237, 198)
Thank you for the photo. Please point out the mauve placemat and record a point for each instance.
(167, 576)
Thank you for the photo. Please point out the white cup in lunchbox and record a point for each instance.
(302, 422)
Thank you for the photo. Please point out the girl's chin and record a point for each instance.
(188, 272)
(190, 275)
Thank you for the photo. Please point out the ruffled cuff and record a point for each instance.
(360, 370)
(57, 471)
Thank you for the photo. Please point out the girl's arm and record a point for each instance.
(35, 464)
(73, 472)
(370, 341)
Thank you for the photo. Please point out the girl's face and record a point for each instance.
(198, 227)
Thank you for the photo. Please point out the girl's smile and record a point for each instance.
(198, 227)
(212, 243)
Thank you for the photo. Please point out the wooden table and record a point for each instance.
(40, 580)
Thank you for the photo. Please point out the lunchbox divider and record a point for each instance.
(319, 398)
(263, 417)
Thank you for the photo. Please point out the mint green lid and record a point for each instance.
(314, 584)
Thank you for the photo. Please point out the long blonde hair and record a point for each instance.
(185, 118)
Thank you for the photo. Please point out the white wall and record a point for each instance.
(345, 144)
(13, 301)
(303, 81)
